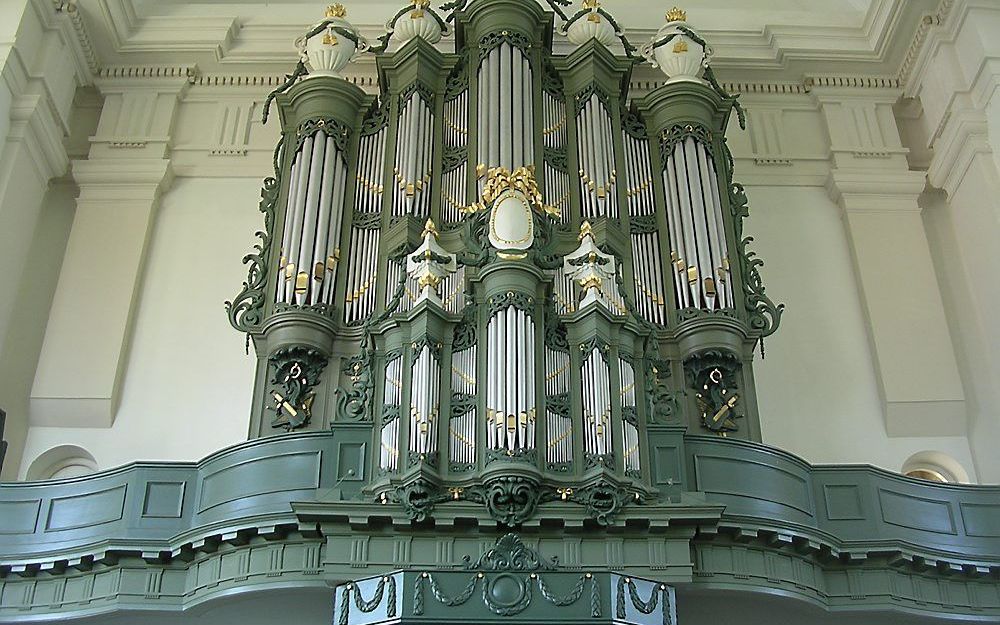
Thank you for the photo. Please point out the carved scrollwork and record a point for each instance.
(661, 398)
(425, 93)
(327, 125)
(518, 299)
(246, 310)
(511, 500)
(584, 95)
(376, 118)
(494, 39)
(511, 554)
(354, 403)
(679, 132)
(764, 315)
(603, 501)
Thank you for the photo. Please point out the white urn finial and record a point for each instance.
(677, 49)
(590, 22)
(330, 44)
(417, 19)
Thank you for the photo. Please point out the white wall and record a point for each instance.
(816, 385)
(188, 381)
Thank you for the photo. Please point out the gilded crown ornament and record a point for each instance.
(336, 10)
(676, 15)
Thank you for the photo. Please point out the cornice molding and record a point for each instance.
(777, 52)
(876, 191)
(122, 178)
(86, 49)
(964, 136)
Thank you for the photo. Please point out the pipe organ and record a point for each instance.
(521, 276)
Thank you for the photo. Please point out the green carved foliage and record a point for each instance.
(246, 310)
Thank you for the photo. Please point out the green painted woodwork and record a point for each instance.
(286, 510)
(3, 443)
(311, 507)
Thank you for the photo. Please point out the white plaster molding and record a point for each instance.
(864, 190)
(919, 50)
(965, 136)
(133, 179)
(225, 38)
(76, 34)
(35, 127)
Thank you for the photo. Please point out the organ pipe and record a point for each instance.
(510, 393)
(425, 381)
(391, 401)
(698, 243)
(666, 229)
(596, 401)
(505, 110)
(595, 154)
(310, 238)
(630, 427)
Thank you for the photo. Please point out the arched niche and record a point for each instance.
(935, 466)
(60, 462)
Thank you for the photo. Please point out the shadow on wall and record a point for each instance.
(62, 461)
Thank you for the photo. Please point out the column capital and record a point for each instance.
(141, 179)
(861, 190)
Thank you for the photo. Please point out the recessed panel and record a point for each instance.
(96, 508)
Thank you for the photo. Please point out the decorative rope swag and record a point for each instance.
(426, 579)
(370, 605)
(646, 607)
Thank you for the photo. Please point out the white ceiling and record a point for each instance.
(755, 40)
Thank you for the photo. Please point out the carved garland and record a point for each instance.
(386, 583)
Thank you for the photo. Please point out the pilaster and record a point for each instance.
(878, 194)
(957, 81)
(80, 367)
(42, 62)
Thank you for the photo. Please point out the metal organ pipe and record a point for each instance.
(505, 109)
(595, 151)
(630, 430)
(462, 430)
(510, 392)
(308, 238)
(697, 228)
(596, 401)
(424, 399)
(453, 194)
(559, 447)
(392, 398)
(312, 221)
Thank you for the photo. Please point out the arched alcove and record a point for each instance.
(60, 462)
(935, 466)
